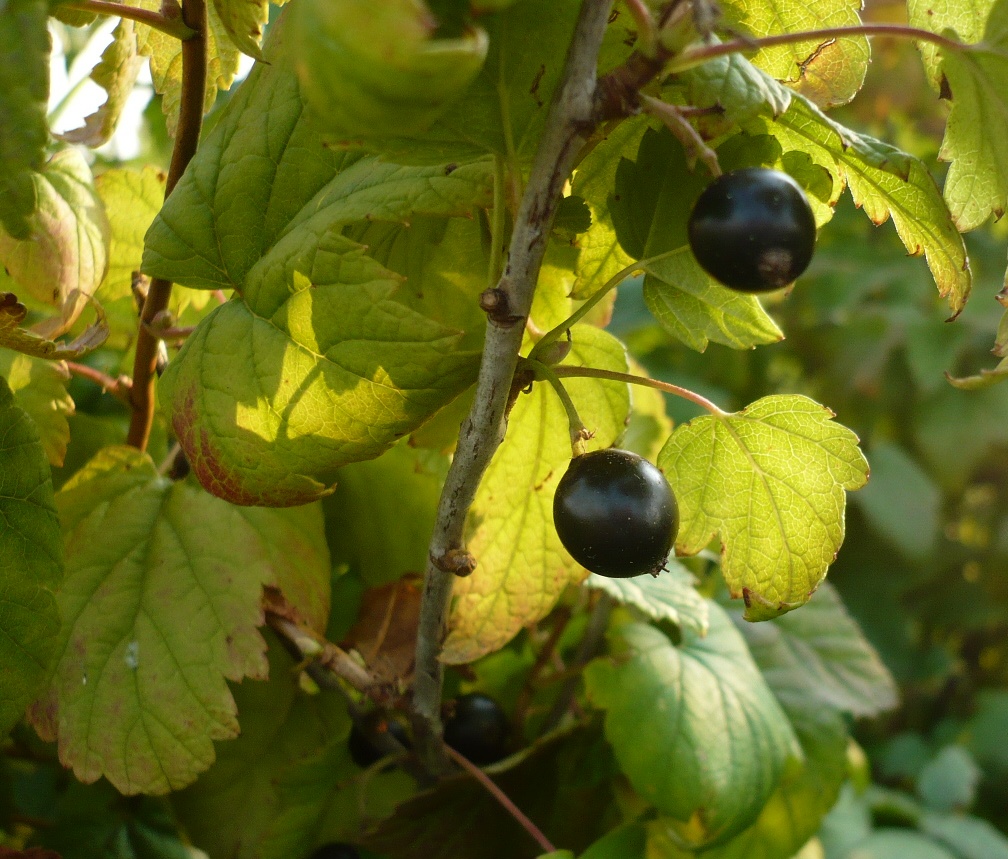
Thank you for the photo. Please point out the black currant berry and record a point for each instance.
(362, 751)
(478, 729)
(753, 230)
(615, 513)
(336, 851)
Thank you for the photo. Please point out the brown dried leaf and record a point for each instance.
(386, 629)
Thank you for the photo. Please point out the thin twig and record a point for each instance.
(194, 72)
(685, 133)
(171, 26)
(562, 617)
(316, 649)
(118, 388)
(588, 648)
(569, 371)
(567, 125)
(502, 798)
(695, 56)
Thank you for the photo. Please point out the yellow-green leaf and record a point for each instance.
(165, 54)
(40, 389)
(116, 74)
(521, 566)
(65, 256)
(771, 481)
(828, 71)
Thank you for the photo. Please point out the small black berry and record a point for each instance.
(753, 230)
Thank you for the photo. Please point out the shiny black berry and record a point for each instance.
(363, 752)
(335, 851)
(753, 230)
(477, 728)
(616, 514)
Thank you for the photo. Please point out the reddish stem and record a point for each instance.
(194, 71)
(502, 798)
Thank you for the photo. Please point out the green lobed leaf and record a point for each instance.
(40, 388)
(886, 183)
(902, 501)
(600, 254)
(25, 46)
(828, 71)
(770, 481)
(820, 655)
(977, 182)
(696, 309)
(672, 596)
(31, 562)
(805, 794)
(695, 728)
(522, 567)
(739, 88)
(65, 256)
(243, 21)
(116, 74)
(165, 54)
(338, 356)
(161, 601)
(324, 365)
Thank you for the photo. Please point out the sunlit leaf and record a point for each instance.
(31, 562)
(243, 20)
(600, 254)
(977, 181)
(165, 54)
(161, 601)
(116, 74)
(770, 481)
(40, 388)
(829, 71)
(886, 183)
(522, 567)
